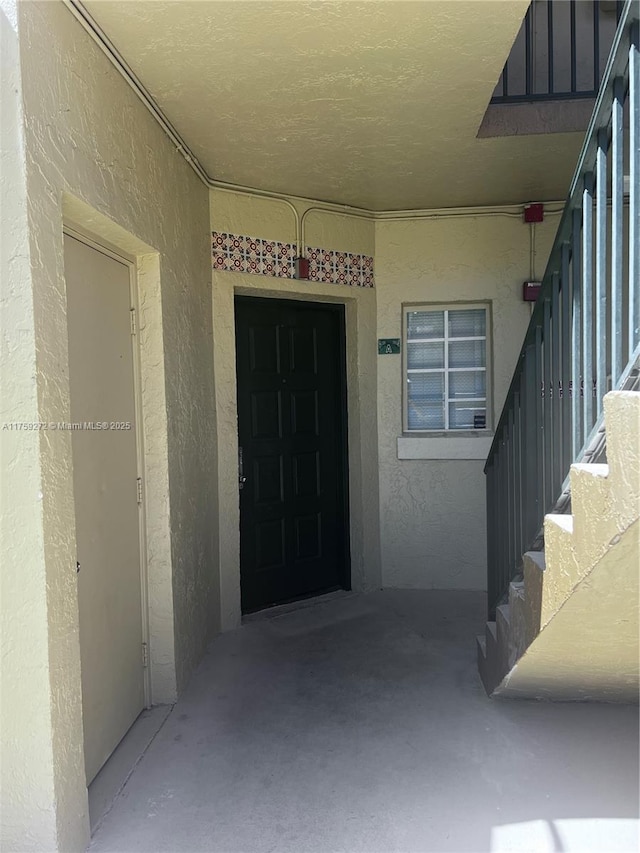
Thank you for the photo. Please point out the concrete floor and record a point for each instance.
(360, 724)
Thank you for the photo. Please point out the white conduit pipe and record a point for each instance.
(78, 10)
(221, 186)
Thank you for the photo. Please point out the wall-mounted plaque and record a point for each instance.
(388, 346)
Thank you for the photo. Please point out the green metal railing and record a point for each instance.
(584, 336)
(559, 52)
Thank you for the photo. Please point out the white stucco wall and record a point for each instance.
(274, 220)
(432, 512)
(92, 156)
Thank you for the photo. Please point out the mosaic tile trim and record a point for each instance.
(340, 267)
(253, 255)
(256, 256)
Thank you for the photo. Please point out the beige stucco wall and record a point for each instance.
(432, 512)
(25, 704)
(89, 153)
(275, 220)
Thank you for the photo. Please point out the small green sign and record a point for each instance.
(388, 346)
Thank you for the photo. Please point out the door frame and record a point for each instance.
(364, 475)
(130, 262)
(338, 309)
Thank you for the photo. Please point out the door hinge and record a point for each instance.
(134, 322)
(145, 655)
(139, 487)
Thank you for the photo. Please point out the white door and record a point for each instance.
(101, 376)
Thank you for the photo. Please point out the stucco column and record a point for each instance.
(35, 755)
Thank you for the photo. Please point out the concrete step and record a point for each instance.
(491, 673)
(481, 658)
(605, 504)
(534, 565)
(622, 420)
(491, 638)
(502, 622)
(482, 645)
(589, 650)
(518, 618)
(591, 501)
(562, 572)
(506, 649)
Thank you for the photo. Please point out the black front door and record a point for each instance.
(292, 438)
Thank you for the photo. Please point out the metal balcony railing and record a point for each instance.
(560, 51)
(584, 334)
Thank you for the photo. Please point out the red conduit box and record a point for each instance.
(534, 213)
(531, 290)
(302, 268)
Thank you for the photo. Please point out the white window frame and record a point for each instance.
(449, 432)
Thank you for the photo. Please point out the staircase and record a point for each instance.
(570, 628)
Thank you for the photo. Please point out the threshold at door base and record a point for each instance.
(300, 604)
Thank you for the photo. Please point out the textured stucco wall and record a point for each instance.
(432, 513)
(273, 219)
(27, 784)
(90, 145)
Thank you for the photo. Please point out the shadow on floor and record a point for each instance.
(360, 724)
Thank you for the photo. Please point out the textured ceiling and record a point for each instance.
(374, 104)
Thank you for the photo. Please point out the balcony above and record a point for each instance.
(551, 78)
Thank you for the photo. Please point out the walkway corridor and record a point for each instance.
(360, 724)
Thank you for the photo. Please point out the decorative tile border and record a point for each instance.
(340, 267)
(232, 252)
(253, 255)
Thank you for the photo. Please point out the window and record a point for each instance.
(446, 359)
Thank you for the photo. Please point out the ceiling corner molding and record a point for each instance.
(105, 44)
